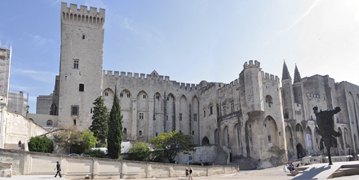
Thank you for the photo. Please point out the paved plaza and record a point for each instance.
(315, 171)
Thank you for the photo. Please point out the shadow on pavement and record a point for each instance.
(311, 173)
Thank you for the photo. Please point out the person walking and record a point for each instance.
(20, 144)
(190, 173)
(186, 173)
(58, 167)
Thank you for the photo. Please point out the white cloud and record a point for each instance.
(96, 3)
(152, 37)
(315, 4)
(40, 41)
(127, 26)
(19, 87)
(43, 76)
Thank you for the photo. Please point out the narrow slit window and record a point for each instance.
(81, 87)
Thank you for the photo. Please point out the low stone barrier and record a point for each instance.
(33, 163)
(324, 159)
(5, 169)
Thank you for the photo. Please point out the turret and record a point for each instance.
(251, 84)
(297, 77)
(287, 93)
(298, 87)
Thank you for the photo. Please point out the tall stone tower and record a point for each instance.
(81, 64)
(5, 66)
(251, 83)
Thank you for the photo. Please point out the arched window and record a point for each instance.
(140, 133)
(49, 123)
(124, 131)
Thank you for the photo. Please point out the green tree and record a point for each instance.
(114, 137)
(139, 152)
(99, 125)
(88, 140)
(41, 144)
(68, 139)
(170, 144)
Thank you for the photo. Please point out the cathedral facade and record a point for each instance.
(256, 116)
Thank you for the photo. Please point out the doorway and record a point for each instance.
(300, 151)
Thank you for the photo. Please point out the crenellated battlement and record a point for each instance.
(149, 77)
(256, 64)
(232, 84)
(82, 16)
(207, 88)
(270, 77)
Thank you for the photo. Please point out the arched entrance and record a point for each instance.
(300, 151)
(205, 141)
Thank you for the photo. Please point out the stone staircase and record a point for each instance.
(221, 157)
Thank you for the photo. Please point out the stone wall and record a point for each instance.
(33, 163)
(47, 121)
(17, 128)
(17, 102)
(43, 104)
(204, 154)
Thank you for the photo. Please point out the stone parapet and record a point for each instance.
(34, 163)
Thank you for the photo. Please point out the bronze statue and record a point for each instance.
(325, 123)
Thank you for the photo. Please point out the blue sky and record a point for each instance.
(190, 40)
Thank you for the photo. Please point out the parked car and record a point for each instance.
(85, 155)
(74, 154)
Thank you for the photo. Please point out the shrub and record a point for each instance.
(96, 153)
(41, 144)
(139, 152)
(78, 142)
